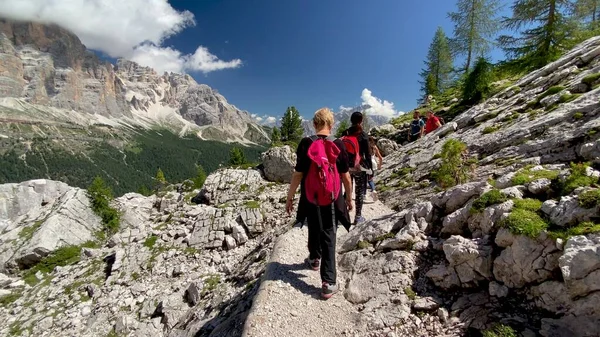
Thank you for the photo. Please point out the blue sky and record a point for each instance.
(315, 53)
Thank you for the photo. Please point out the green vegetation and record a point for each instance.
(384, 237)
(244, 187)
(410, 293)
(524, 222)
(27, 232)
(363, 244)
(488, 199)
(578, 178)
(591, 79)
(589, 199)
(237, 157)
(291, 126)
(532, 205)
(551, 91)
(453, 169)
(7, 300)
(252, 204)
(178, 157)
(135, 276)
(275, 137)
(566, 98)
(578, 115)
(100, 197)
(438, 66)
(150, 241)
(490, 129)
(211, 283)
(583, 228)
(477, 83)
(200, 177)
(526, 176)
(63, 256)
(500, 330)
(344, 124)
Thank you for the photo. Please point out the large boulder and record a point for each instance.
(471, 259)
(228, 185)
(39, 216)
(457, 197)
(279, 164)
(580, 265)
(567, 211)
(387, 146)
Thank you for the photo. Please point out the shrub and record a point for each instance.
(453, 169)
(566, 98)
(477, 83)
(526, 176)
(252, 204)
(200, 177)
(363, 244)
(578, 178)
(589, 199)
(487, 199)
(410, 293)
(578, 115)
(100, 197)
(500, 330)
(525, 222)
(150, 241)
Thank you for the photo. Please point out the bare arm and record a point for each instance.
(438, 123)
(296, 180)
(347, 181)
(379, 157)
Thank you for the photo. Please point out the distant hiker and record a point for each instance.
(417, 127)
(377, 161)
(433, 122)
(321, 169)
(359, 155)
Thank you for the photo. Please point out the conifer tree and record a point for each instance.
(200, 177)
(275, 136)
(291, 126)
(588, 11)
(236, 157)
(438, 66)
(475, 26)
(344, 124)
(160, 176)
(545, 31)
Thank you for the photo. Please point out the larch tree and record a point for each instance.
(588, 11)
(438, 66)
(543, 29)
(291, 126)
(475, 27)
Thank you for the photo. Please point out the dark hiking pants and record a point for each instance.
(360, 189)
(321, 240)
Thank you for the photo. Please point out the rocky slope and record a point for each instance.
(173, 269)
(45, 68)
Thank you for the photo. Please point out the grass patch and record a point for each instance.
(490, 198)
(532, 205)
(589, 199)
(453, 169)
(551, 91)
(7, 300)
(525, 222)
(490, 129)
(100, 197)
(590, 79)
(225, 205)
(578, 178)
(384, 237)
(211, 283)
(578, 115)
(63, 256)
(150, 241)
(27, 232)
(135, 276)
(244, 187)
(526, 176)
(500, 330)
(190, 250)
(566, 98)
(364, 244)
(410, 293)
(252, 204)
(583, 228)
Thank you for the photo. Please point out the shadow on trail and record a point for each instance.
(288, 273)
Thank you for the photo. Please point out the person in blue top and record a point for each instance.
(417, 127)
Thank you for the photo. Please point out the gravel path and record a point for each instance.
(288, 302)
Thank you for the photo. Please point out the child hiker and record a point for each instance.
(321, 169)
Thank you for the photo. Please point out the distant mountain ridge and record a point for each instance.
(48, 66)
(344, 113)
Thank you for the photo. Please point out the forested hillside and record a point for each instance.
(127, 170)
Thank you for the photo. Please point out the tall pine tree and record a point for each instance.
(475, 26)
(291, 126)
(438, 65)
(537, 44)
(588, 11)
(275, 136)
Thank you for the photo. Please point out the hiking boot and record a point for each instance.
(327, 290)
(359, 220)
(314, 264)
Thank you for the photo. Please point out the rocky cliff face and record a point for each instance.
(46, 65)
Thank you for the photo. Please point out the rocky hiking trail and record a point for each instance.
(288, 302)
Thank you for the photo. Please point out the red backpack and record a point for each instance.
(353, 150)
(322, 182)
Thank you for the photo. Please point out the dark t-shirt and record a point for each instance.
(303, 162)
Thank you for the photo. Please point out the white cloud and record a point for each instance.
(132, 29)
(378, 106)
(271, 120)
(258, 119)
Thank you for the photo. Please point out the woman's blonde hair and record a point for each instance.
(323, 117)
